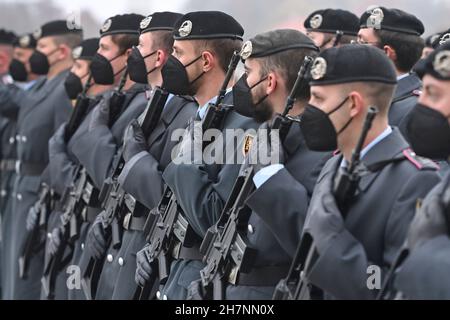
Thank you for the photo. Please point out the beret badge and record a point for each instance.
(319, 68)
(37, 33)
(106, 25)
(185, 28)
(246, 50)
(24, 41)
(444, 39)
(76, 53)
(376, 18)
(316, 21)
(145, 22)
(441, 63)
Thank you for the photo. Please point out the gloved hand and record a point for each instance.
(100, 115)
(143, 267)
(32, 218)
(55, 241)
(56, 143)
(324, 220)
(429, 222)
(268, 149)
(96, 240)
(134, 141)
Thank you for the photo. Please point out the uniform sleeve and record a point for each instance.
(9, 106)
(96, 150)
(142, 178)
(342, 268)
(202, 198)
(61, 169)
(284, 214)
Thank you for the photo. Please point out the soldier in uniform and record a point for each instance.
(284, 187)
(424, 273)
(331, 27)
(397, 33)
(94, 144)
(25, 82)
(366, 232)
(146, 157)
(204, 44)
(39, 117)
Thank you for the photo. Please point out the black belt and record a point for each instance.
(263, 276)
(90, 214)
(29, 169)
(8, 165)
(192, 253)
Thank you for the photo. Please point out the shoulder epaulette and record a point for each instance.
(420, 163)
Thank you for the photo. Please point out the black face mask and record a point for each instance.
(318, 130)
(39, 62)
(175, 77)
(102, 70)
(429, 132)
(73, 85)
(18, 71)
(136, 66)
(242, 97)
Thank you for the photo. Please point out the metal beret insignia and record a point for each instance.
(316, 21)
(76, 53)
(441, 63)
(145, 22)
(185, 28)
(37, 33)
(246, 50)
(106, 25)
(247, 145)
(24, 41)
(319, 68)
(376, 17)
(444, 39)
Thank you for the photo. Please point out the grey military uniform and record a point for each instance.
(201, 191)
(98, 158)
(142, 178)
(275, 236)
(376, 221)
(424, 274)
(38, 119)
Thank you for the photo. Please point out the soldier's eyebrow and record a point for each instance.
(247, 69)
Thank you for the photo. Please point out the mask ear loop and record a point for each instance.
(337, 108)
(150, 54)
(201, 74)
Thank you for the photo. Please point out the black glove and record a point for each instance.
(96, 240)
(143, 267)
(56, 143)
(55, 241)
(268, 149)
(100, 115)
(32, 218)
(134, 141)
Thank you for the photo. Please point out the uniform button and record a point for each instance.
(109, 258)
(250, 228)
(49, 235)
(24, 139)
(121, 261)
(18, 137)
(3, 193)
(158, 295)
(164, 297)
(11, 140)
(82, 246)
(19, 196)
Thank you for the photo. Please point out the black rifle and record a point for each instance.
(295, 286)
(117, 99)
(79, 111)
(114, 197)
(166, 223)
(32, 241)
(225, 247)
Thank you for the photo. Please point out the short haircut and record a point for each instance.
(162, 40)
(345, 39)
(378, 94)
(222, 48)
(125, 41)
(287, 64)
(408, 47)
(72, 40)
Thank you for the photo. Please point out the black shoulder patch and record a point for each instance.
(420, 163)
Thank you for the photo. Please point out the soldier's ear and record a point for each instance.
(65, 51)
(209, 61)
(128, 52)
(272, 82)
(390, 52)
(161, 58)
(357, 103)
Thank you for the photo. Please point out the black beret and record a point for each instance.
(207, 25)
(26, 41)
(268, 43)
(159, 21)
(352, 63)
(86, 50)
(121, 24)
(332, 20)
(437, 64)
(391, 20)
(56, 28)
(7, 37)
(432, 41)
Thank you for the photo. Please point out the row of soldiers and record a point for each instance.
(103, 197)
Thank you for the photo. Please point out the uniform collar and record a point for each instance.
(202, 110)
(406, 85)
